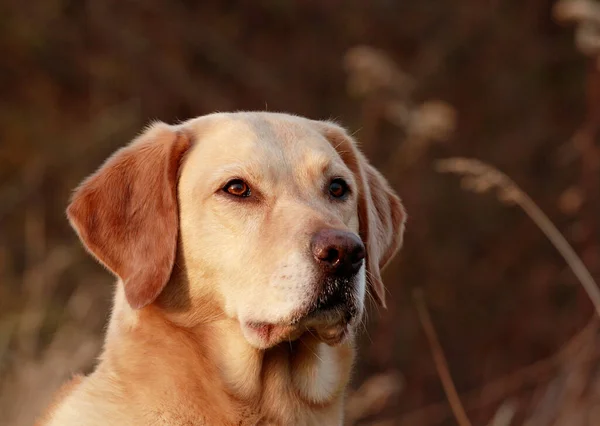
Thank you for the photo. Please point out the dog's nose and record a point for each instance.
(338, 252)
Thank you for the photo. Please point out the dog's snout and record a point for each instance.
(338, 252)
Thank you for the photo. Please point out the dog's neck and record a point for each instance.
(270, 384)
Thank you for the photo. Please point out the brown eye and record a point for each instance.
(237, 188)
(338, 188)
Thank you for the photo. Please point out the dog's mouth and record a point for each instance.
(329, 325)
(328, 316)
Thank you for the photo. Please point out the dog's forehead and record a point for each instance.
(267, 140)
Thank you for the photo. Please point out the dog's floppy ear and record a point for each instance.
(126, 212)
(381, 214)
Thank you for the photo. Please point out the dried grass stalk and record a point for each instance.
(480, 177)
(439, 359)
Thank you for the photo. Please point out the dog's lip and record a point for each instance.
(332, 335)
(330, 326)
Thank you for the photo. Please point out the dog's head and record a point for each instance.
(278, 220)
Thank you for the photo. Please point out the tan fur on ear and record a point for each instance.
(381, 213)
(126, 213)
(384, 216)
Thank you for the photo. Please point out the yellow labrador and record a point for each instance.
(244, 245)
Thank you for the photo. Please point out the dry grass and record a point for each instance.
(439, 358)
(481, 177)
(382, 85)
(570, 385)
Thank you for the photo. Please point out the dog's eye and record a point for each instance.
(338, 188)
(237, 188)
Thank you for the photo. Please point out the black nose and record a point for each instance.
(338, 252)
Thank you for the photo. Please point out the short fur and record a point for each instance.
(213, 320)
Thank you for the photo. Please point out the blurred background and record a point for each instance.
(478, 296)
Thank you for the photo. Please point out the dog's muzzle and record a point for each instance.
(340, 256)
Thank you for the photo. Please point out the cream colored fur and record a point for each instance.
(188, 353)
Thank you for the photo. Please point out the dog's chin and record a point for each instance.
(329, 326)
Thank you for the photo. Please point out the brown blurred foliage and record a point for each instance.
(417, 81)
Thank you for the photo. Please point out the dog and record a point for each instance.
(244, 245)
